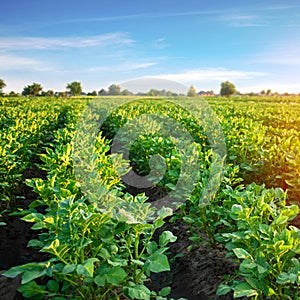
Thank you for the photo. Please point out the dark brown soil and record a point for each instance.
(194, 275)
(14, 238)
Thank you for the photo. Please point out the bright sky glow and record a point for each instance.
(254, 44)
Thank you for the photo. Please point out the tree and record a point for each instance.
(49, 93)
(154, 92)
(102, 92)
(2, 85)
(93, 93)
(268, 92)
(192, 92)
(263, 92)
(74, 88)
(114, 90)
(227, 89)
(32, 90)
(125, 93)
(61, 94)
(13, 94)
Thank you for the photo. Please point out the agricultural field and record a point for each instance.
(150, 198)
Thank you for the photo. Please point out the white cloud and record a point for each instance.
(15, 62)
(40, 43)
(161, 43)
(122, 67)
(212, 74)
(242, 20)
(280, 7)
(141, 16)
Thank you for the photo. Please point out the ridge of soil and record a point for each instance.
(196, 273)
(14, 238)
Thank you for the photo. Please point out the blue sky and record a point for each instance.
(254, 44)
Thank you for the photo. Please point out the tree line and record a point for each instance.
(75, 89)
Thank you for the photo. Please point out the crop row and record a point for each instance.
(26, 127)
(100, 238)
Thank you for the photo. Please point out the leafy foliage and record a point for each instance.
(2, 85)
(227, 89)
(102, 247)
(192, 92)
(74, 88)
(32, 90)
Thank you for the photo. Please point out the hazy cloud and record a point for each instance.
(161, 43)
(281, 53)
(243, 20)
(122, 67)
(212, 74)
(273, 86)
(44, 43)
(15, 62)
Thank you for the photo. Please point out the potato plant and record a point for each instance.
(94, 253)
(100, 239)
(26, 127)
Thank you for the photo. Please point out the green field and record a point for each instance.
(100, 236)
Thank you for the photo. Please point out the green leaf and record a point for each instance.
(31, 275)
(36, 203)
(281, 219)
(87, 268)
(33, 217)
(111, 275)
(165, 212)
(236, 208)
(53, 285)
(137, 292)
(283, 278)
(223, 289)
(121, 262)
(138, 262)
(104, 253)
(81, 271)
(89, 265)
(261, 269)
(165, 291)
(32, 291)
(66, 285)
(13, 272)
(100, 280)
(170, 185)
(244, 290)
(116, 275)
(157, 263)
(152, 247)
(52, 248)
(241, 253)
(35, 243)
(69, 268)
(254, 282)
(166, 237)
(188, 220)
(264, 228)
(38, 226)
(247, 266)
